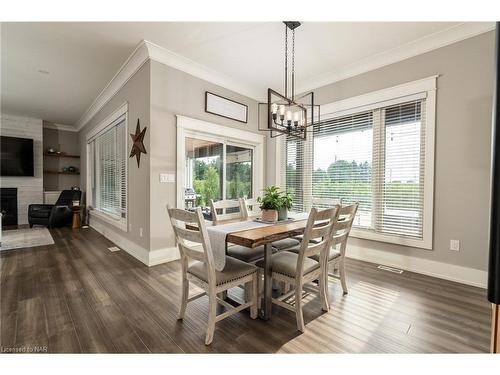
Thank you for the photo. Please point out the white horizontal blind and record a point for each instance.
(110, 172)
(342, 162)
(402, 180)
(374, 157)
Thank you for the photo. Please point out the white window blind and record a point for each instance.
(374, 157)
(109, 170)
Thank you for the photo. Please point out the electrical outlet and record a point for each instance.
(140, 232)
(455, 245)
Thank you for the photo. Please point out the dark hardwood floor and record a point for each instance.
(77, 296)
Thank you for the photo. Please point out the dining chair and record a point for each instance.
(340, 235)
(336, 256)
(322, 203)
(299, 269)
(219, 210)
(250, 207)
(195, 245)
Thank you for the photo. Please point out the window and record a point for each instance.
(107, 172)
(216, 170)
(216, 162)
(380, 155)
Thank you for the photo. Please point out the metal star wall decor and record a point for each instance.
(138, 145)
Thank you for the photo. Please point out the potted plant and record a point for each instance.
(270, 203)
(285, 205)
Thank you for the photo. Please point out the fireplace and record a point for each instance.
(8, 206)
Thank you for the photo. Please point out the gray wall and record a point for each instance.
(67, 142)
(462, 158)
(174, 92)
(29, 189)
(136, 93)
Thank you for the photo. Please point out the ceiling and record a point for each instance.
(54, 71)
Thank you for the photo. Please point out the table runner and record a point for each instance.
(217, 235)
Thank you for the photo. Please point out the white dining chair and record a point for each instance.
(340, 235)
(250, 207)
(219, 210)
(336, 257)
(195, 245)
(299, 269)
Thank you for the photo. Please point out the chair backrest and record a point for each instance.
(320, 225)
(192, 243)
(320, 202)
(219, 210)
(67, 197)
(250, 207)
(343, 226)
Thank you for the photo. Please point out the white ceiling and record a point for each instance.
(82, 58)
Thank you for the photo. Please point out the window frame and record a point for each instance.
(193, 128)
(423, 88)
(109, 122)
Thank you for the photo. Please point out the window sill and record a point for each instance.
(426, 243)
(119, 223)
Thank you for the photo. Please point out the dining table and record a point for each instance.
(265, 235)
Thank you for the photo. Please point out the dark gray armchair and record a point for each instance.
(54, 215)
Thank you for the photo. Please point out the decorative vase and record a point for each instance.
(283, 214)
(269, 215)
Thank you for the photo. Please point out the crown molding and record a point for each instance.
(135, 61)
(146, 50)
(179, 62)
(61, 127)
(417, 47)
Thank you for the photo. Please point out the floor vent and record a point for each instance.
(390, 269)
(113, 248)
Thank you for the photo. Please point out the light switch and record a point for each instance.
(167, 177)
(455, 245)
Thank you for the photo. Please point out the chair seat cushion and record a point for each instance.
(285, 263)
(246, 254)
(312, 240)
(285, 243)
(234, 269)
(44, 213)
(333, 253)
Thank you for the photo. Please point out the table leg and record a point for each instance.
(268, 282)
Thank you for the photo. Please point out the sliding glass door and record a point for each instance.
(216, 169)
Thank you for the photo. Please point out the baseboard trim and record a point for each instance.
(446, 271)
(137, 251)
(159, 256)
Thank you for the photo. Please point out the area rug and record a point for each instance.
(26, 237)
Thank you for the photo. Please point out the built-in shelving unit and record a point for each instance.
(60, 172)
(62, 155)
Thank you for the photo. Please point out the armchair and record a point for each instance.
(54, 215)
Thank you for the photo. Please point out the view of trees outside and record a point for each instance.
(207, 173)
(206, 179)
(342, 168)
(239, 172)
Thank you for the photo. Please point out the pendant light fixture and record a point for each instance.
(287, 114)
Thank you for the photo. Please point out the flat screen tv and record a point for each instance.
(16, 156)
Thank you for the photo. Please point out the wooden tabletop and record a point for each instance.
(263, 235)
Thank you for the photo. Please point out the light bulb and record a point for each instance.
(274, 108)
(288, 115)
(282, 110)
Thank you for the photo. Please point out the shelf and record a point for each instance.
(62, 156)
(57, 172)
